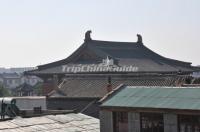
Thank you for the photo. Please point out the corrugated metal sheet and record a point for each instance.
(156, 97)
(52, 123)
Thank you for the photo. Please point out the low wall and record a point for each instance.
(88, 106)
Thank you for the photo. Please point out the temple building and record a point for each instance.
(97, 67)
(24, 90)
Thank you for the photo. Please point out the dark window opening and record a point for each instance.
(120, 121)
(188, 123)
(59, 108)
(188, 80)
(151, 122)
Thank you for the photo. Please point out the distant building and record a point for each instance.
(31, 80)
(13, 80)
(196, 74)
(13, 77)
(151, 109)
(16, 69)
(1, 80)
(24, 90)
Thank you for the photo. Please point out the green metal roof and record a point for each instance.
(155, 97)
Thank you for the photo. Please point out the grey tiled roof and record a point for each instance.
(11, 75)
(91, 86)
(123, 53)
(52, 123)
(24, 87)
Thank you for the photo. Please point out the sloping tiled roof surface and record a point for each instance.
(155, 97)
(11, 75)
(130, 53)
(24, 87)
(91, 86)
(123, 54)
(52, 123)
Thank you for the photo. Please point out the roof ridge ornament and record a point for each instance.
(108, 61)
(87, 36)
(139, 39)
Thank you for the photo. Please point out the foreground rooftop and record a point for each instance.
(52, 123)
(178, 98)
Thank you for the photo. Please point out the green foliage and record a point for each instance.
(38, 89)
(4, 92)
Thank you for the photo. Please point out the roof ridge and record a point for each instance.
(113, 41)
(111, 93)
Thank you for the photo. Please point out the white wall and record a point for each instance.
(28, 103)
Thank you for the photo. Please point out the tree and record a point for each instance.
(4, 92)
(38, 89)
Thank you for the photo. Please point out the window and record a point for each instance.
(9, 82)
(13, 81)
(151, 122)
(188, 123)
(120, 121)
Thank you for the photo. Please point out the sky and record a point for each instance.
(36, 32)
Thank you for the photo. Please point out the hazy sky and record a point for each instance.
(35, 32)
